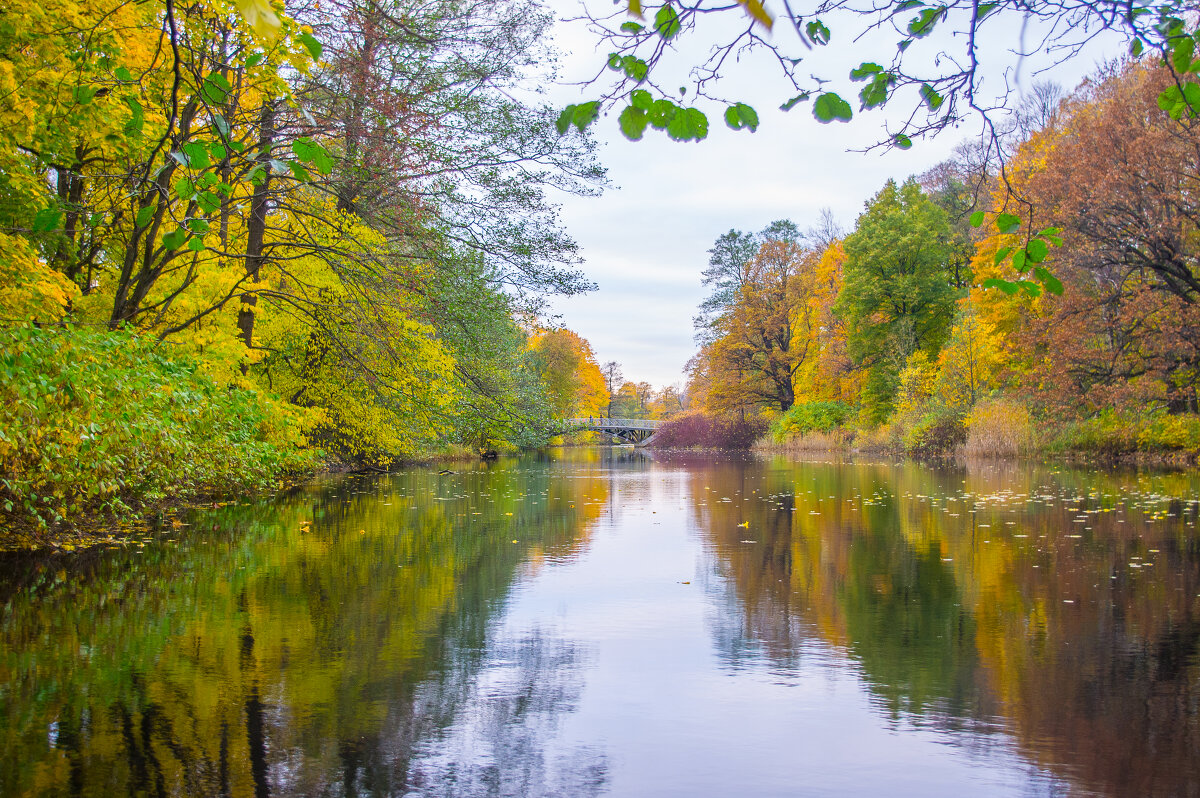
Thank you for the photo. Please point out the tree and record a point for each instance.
(727, 271)
(611, 371)
(767, 334)
(567, 368)
(895, 298)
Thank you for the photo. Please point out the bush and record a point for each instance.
(700, 431)
(1115, 433)
(999, 428)
(807, 417)
(94, 424)
(937, 432)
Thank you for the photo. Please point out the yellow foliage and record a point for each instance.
(29, 289)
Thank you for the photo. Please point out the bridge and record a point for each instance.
(631, 430)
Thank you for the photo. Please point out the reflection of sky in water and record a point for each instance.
(596, 622)
(609, 673)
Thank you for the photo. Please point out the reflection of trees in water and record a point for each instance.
(273, 650)
(502, 740)
(974, 594)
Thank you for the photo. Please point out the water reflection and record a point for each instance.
(312, 646)
(1061, 606)
(600, 622)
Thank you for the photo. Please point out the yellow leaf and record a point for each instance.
(260, 15)
(755, 9)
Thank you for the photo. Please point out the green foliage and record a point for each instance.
(895, 297)
(93, 423)
(806, 417)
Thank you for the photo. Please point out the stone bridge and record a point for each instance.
(631, 430)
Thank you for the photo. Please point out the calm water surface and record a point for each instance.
(597, 622)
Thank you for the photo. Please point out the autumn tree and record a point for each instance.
(767, 334)
(564, 362)
(728, 271)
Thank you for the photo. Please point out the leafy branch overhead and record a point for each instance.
(933, 69)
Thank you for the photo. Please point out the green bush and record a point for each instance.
(808, 417)
(94, 424)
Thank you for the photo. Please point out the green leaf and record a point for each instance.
(1001, 254)
(902, 141)
(184, 188)
(199, 226)
(585, 114)
(299, 172)
(933, 100)
(817, 32)
(907, 4)
(197, 155)
(740, 115)
(174, 239)
(830, 106)
(924, 23)
(221, 125)
(635, 67)
(666, 22)
(1181, 53)
(1018, 260)
(1008, 223)
(1136, 47)
(208, 201)
(865, 70)
(1037, 250)
(640, 99)
(254, 59)
(1003, 285)
(688, 124)
(215, 88)
(137, 118)
(123, 74)
(875, 93)
(614, 62)
(985, 9)
(633, 123)
(1052, 283)
(196, 244)
(1033, 289)
(632, 27)
(46, 219)
(563, 123)
(662, 112)
(792, 103)
(144, 215)
(218, 151)
(1191, 95)
(977, 218)
(312, 45)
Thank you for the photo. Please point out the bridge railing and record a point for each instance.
(599, 422)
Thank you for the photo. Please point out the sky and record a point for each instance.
(645, 240)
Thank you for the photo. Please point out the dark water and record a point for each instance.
(599, 623)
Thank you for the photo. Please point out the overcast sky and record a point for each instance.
(645, 240)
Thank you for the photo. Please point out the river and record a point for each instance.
(595, 622)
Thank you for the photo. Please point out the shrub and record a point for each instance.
(93, 424)
(999, 428)
(807, 417)
(1115, 433)
(937, 432)
(702, 431)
